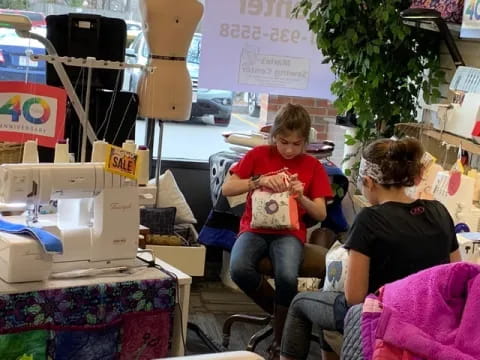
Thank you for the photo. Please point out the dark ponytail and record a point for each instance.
(399, 160)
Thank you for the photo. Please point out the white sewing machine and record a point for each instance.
(97, 219)
(462, 115)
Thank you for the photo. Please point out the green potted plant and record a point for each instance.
(380, 63)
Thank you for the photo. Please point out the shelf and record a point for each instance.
(416, 130)
(455, 29)
(428, 25)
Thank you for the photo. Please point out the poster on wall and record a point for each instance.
(471, 19)
(30, 111)
(256, 46)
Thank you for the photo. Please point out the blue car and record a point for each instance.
(209, 106)
(15, 64)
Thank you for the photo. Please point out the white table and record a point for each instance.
(183, 298)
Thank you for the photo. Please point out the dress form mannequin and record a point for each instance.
(166, 92)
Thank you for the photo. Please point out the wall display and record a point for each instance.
(31, 111)
(256, 45)
(471, 19)
(454, 191)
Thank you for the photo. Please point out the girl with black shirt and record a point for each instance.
(395, 237)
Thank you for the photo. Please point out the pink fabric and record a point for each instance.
(385, 351)
(373, 348)
(435, 313)
(450, 10)
(371, 311)
(145, 336)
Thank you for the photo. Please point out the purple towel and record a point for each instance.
(434, 313)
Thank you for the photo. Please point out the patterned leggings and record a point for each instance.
(326, 309)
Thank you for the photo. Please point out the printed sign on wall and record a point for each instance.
(256, 46)
(471, 19)
(31, 111)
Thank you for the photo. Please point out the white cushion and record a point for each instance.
(171, 196)
(336, 264)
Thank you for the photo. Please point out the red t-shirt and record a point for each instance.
(265, 159)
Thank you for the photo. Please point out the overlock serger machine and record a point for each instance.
(97, 219)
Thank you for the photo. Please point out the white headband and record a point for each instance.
(373, 171)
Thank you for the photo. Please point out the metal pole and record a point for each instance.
(67, 84)
(83, 152)
(150, 135)
(158, 164)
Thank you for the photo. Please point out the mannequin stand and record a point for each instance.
(149, 141)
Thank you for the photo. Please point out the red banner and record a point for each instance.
(30, 111)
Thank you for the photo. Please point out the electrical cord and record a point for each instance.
(152, 263)
(211, 344)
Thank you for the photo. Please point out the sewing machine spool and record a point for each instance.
(30, 152)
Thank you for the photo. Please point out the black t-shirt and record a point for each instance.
(401, 239)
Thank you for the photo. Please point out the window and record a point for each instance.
(134, 27)
(37, 19)
(194, 50)
(213, 111)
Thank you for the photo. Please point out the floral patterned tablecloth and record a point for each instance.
(122, 320)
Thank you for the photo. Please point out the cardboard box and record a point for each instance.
(189, 259)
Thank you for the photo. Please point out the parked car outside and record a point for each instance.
(253, 101)
(208, 106)
(133, 29)
(36, 18)
(15, 64)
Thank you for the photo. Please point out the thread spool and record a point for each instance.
(99, 151)
(61, 152)
(30, 152)
(143, 165)
(130, 146)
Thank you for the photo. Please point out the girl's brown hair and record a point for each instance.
(291, 117)
(399, 160)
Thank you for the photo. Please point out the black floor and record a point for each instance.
(211, 303)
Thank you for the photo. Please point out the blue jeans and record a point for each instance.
(286, 254)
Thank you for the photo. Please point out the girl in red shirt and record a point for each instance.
(305, 177)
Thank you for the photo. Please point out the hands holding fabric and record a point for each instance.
(283, 182)
(276, 182)
(296, 186)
